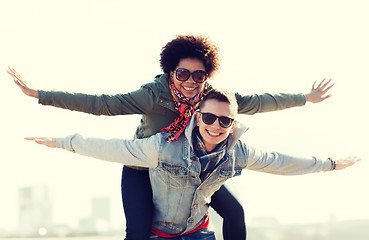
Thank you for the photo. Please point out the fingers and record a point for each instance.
(13, 73)
(324, 86)
(319, 92)
(354, 159)
(327, 89)
(29, 138)
(313, 87)
(18, 80)
(17, 74)
(346, 162)
(326, 83)
(10, 71)
(351, 161)
(326, 97)
(39, 140)
(35, 139)
(320, 84)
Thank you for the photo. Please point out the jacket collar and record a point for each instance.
(232, 138)
(163, 80)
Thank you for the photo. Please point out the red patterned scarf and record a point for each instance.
(186, 107)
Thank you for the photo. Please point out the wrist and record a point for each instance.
(34, 93)
(333, 164)
(308, 97)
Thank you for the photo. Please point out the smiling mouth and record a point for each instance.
(189, 88)
(214, 134)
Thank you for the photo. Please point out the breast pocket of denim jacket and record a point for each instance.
(174, 175)
(229, 173)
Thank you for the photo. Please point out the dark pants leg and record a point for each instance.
(228, 207)
(137, 203)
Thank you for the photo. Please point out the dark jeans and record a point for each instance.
(138, 207)
(137, 203)
(228, 207)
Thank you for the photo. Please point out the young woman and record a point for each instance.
(166, 104)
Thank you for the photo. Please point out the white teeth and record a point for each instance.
(188, 89)
(213, 133)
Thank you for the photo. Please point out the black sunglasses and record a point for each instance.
(183, 74)
(209, 118)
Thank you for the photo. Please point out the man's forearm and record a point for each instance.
(137, 152)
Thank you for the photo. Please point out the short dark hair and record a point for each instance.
(190, 46)
(221, 95)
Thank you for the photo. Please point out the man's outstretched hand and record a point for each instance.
(46, 141)
(346, 162)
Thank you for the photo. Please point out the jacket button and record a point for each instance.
(195, 205)
(190, 220)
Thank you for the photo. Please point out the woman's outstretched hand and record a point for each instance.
(21, 83)
(319, 93)
(47, 141)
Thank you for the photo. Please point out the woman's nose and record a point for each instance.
(190, 79)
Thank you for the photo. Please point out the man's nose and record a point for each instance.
(216, 123)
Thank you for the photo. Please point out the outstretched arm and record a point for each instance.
(140, 101)
(259, 103)
(283, 164)
(137, 152)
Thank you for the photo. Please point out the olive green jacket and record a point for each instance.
(155, 103)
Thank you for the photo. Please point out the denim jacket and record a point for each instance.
(180, 198)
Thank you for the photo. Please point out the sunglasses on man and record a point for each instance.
(183, 74)
(209, 118)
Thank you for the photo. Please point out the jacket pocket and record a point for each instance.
(228, 173)
(176, 176)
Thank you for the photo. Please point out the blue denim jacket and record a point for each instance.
(180, 198)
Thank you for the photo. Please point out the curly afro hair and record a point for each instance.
(190, 46)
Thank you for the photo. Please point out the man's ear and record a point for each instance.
(233, 126)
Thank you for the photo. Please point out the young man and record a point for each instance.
(184, 174)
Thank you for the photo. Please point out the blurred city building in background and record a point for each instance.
(35, 210)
